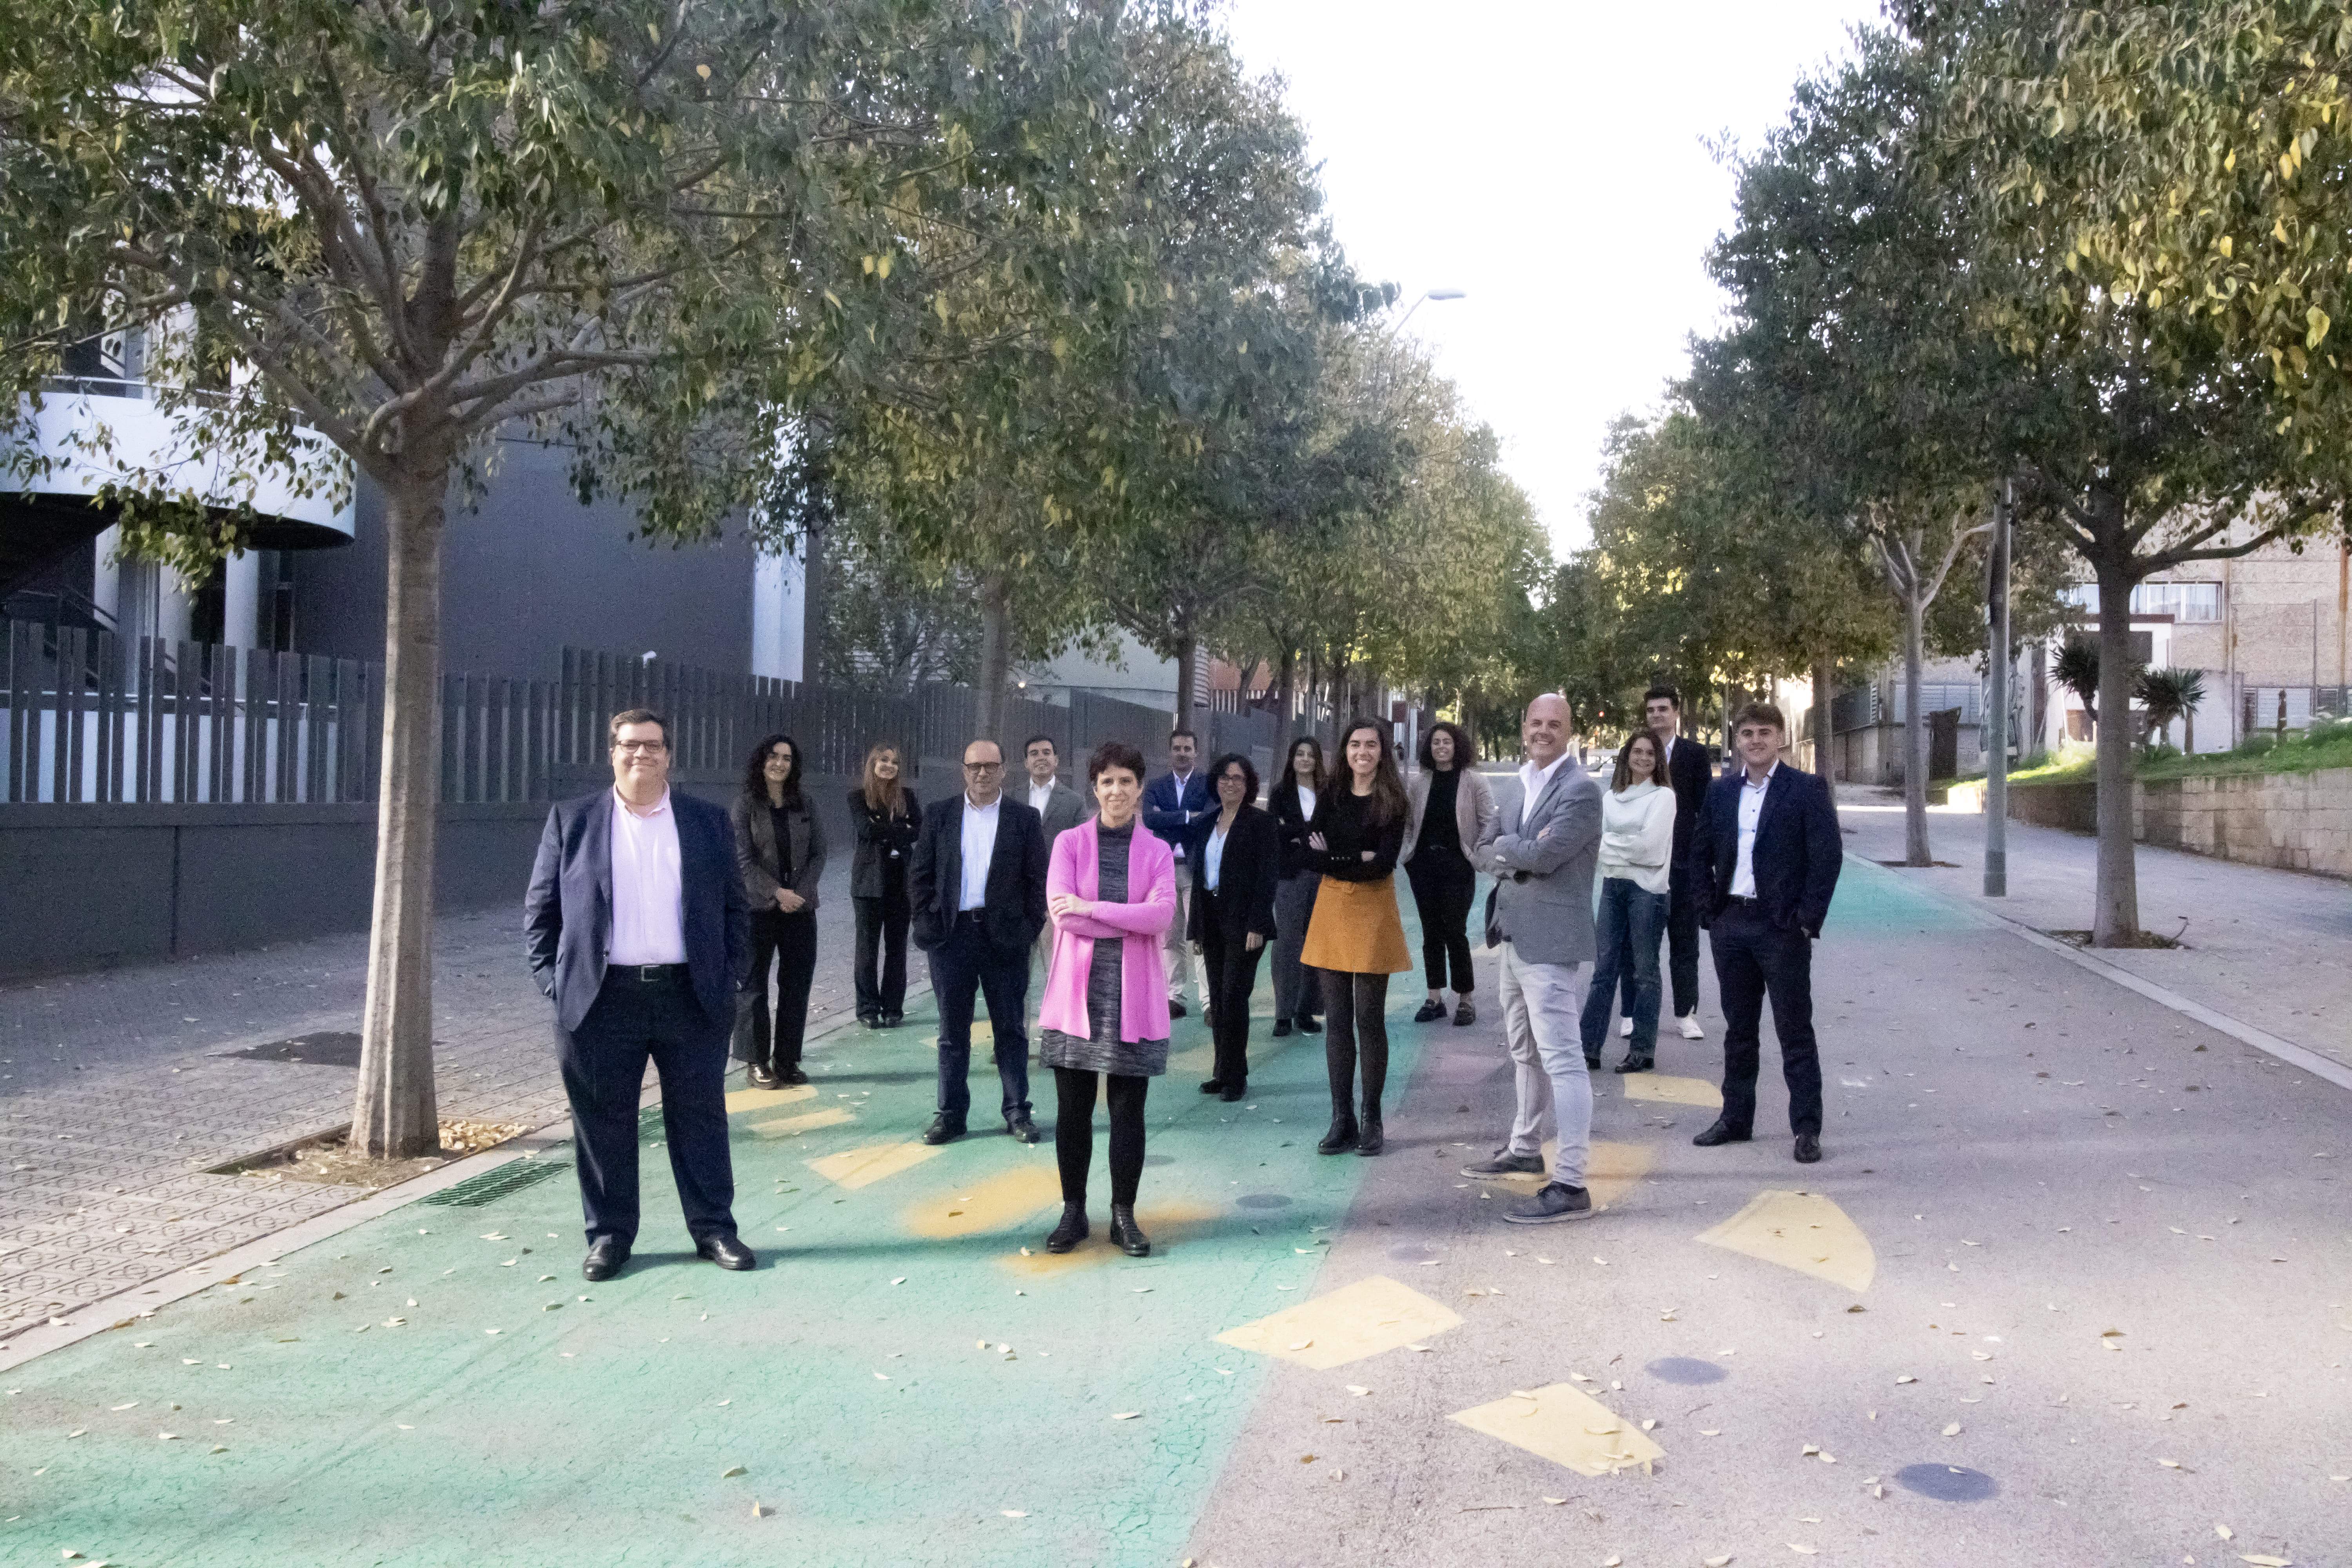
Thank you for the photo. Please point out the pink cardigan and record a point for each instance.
(1140, 923)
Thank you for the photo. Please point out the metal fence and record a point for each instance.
(89, 717)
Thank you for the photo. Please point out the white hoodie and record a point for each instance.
(1637, 835)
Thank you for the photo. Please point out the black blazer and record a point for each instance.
(1343, 819)
(1688, 772)
(1290, 828)
(1246, 876)
(882, 841)
(1013, 910)
(567, 912)
(1795, 857)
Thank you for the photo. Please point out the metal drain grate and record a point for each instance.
(491, 1185)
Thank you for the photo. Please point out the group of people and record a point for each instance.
(655, 920)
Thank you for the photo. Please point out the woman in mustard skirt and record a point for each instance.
(1356, 939)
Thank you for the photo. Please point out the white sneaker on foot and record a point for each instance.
(1688, 1024)
(1625, 1028)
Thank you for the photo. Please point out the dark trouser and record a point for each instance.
(1442, 886)
(603, 1066)
(882, 942)
(965, 965)
(1232, 975)
(1754, 958)
(1625, 933)
(791, 941)
(1681, 946)
(1074, 1131)
(1357, 1031)
(1297, 992)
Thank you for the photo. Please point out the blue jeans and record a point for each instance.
(1626, 929)
(964, 967)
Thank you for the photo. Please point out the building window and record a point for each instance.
(2189, 604)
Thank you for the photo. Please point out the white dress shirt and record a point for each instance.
(1039, 794)
(1532, 780)
(648, 902)
(1751, 811)
(1182, 780)
(1305, 804)
(979, 846)
(1212, 859)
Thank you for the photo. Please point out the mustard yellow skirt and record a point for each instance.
(1355, 929)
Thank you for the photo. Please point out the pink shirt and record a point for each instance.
(648, 906)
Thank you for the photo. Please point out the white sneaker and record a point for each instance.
(1625, 1028)
(1688, 1024)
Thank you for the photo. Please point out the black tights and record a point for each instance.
(1074, 1131)
(1355, 1030)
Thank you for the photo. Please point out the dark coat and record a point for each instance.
(1688, 771)
(1245, 876)
(755, 851)
(1290, 831)
(1795, 857)
(1013, 910)
(882, 840)
(1170, 818)
(567, 912)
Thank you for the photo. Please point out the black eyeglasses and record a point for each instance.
(984, 767)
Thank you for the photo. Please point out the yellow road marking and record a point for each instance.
(1567, 1427)
(1803, 1231)
(1349, 1324)
(808, 1121)
(1168, 1224)
(1002, 1200)
(1609, 1174)
(1662, 1089)
(768, 1098)
(857, 1168)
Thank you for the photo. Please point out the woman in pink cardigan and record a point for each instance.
(1111, 891)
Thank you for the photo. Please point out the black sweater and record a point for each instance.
(1342, 818)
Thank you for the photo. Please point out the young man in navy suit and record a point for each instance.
(1173, 803)
(1763, 862)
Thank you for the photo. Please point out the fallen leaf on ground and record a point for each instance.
(731, 1471)
(1125, 1414)
(1953, 1430)
(1013, 1512)
(1358, 1389)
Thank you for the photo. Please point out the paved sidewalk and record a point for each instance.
(120, 1093)
(2270, 948)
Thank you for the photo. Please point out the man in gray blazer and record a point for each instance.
(1062, 808)
(1541, 852)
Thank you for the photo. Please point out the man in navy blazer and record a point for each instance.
(639, 930)
(1173, 803)
(1764, 860)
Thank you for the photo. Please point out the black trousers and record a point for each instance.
(1356, 1035)
(1682, 948)
(1232, 976)
(881, 962)
(1754, 959)
(789, 943)
(1074, 1131)
(1442, 889)
(603, 1066)
(963, 966)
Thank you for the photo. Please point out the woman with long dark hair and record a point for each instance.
(1297, 793)
(1111, 892)
(888, 819)
(1231, 852)
(779, 850)
(1356, 938)
(1452, 808)
(1637, 843)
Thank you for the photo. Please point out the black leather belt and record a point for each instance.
(646, 974)
(1744, 904)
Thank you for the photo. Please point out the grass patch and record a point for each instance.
(2327, 745)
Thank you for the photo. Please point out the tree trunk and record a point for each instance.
(2188, 731)
(2114, 919)
(395, 1115)
(1343, 699)
(1915, 730)
(1286, 696)
(813, 609)
(1824, 742)
(995, 658)
(1188, 675)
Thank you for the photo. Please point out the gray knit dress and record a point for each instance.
(1103, 1050)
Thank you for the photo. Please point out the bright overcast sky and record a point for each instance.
(1550, 158)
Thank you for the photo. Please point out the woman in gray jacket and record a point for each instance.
(1452, 809)
(780, 849)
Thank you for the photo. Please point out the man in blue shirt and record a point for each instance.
(1172, 804)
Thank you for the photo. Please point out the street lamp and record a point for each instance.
(1427, 295)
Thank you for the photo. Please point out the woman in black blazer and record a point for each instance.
(1297, 991)
(780, 850)
(1236, 860)
(888, 819)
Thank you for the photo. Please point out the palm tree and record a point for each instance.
(2078, 669)
(2169, 694)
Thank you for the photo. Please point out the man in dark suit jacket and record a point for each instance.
(976, 891)
(639, 930)
(1689, 774)
(1764, 860)
(1173, 803)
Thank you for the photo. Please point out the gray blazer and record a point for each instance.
(755, 851)
(1064, 809)
(1543, 871)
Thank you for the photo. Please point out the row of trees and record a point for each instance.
(1030, 302)
(2094, 251)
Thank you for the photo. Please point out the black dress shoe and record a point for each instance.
(1176, 1009)
(1126, 1235)
(1309, 1024)
(1023, 1130)
(1370, 1138)
(1072, 1230)
(727, 1252)
(1721, 1133)
(762, 1076)
(607, 1255)
(1633, 1063)
(1342, 1136)
(792, 1074)
(1232, 1091)
(1431, 1011)
(1809, 1148)
(942, 1131)
(1466, 1015)
(871, 1020)
(1281, 1029)
(1212, 1086)
(892, 1020)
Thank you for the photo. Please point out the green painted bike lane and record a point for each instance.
(897, 1382)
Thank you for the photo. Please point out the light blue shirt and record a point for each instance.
(1212, 859)
(1751, 811)
(979, 847)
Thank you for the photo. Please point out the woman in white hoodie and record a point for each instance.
(1637, 843)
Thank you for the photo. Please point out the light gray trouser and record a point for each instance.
(1295, 989)
(1178, 950)
(1540, 1006)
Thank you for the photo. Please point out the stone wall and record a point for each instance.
(2301, 822)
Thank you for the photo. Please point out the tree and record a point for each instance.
(2078, 669)
(652, 227)
(2168, 694)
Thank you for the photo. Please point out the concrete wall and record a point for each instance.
(2299, 822)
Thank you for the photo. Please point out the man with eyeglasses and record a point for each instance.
(639, 929)
(976, 891)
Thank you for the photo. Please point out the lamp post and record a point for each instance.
(1426, 295)
(1995, 717)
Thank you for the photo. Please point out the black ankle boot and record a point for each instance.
(1342, 1136)
(1125, 1234)
(1371, 1139)
(1071, 1231)
(1637, 1062)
